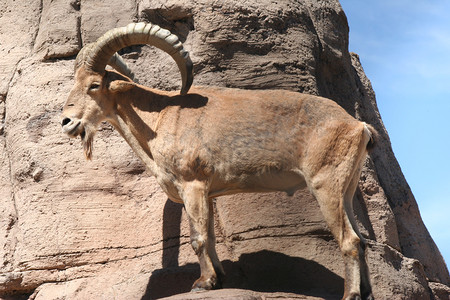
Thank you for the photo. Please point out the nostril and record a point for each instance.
(65, 121)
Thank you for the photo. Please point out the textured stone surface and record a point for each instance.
(53, 40)
(71, 229)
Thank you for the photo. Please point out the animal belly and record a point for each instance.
(288, 182)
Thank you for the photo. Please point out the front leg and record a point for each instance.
(196, 203)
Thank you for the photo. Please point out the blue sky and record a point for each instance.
(404, 47)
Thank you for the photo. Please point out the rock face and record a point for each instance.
(103, 229)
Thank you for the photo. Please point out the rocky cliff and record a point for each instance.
(102, 229)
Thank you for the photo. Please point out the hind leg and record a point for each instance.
(335, 197)
(365, 285)
(332, 169)
(332, 207)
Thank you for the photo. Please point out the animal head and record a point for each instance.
(89, 102)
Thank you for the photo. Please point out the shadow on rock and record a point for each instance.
(171, 281)
(171, 233)
(263, 271)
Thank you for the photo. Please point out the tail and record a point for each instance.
(373, 136)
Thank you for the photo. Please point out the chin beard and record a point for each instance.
(87, 139)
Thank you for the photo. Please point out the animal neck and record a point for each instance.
(131, 120)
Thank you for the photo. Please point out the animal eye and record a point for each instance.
(94, 86)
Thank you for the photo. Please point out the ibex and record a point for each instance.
(213, 141)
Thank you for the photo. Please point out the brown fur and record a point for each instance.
(217, 141)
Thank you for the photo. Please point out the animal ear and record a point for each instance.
(120, 86)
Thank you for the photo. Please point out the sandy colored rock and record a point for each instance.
(58, 30)
(103, 229)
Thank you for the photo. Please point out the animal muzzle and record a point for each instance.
(73, 127)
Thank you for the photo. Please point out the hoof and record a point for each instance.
(204, 285)
(352, 296)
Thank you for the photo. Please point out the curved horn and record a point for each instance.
(120, 65)
(116, 61)
(99, 54)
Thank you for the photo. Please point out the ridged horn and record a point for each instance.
(120, 65)
(116, 62)
(97, 55)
